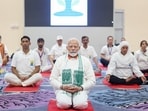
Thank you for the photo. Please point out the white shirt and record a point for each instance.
(44, 56)
(58, 51)
(142, 59)
(25, 63)
(108, 51)
(88, 52)
(64, 63)
(123, 66)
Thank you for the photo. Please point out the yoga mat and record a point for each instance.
(10, 88)
(97, 74)
(146, 74)
(102, 67)
(52, 107)
(116, 86)
(46, 74)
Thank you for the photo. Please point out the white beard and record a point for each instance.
(73, 54)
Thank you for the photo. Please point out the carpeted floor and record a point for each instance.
(102, 98)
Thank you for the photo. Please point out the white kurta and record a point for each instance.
(65, 99)
(142, 59)
(57, 51)
(25, 64)
(44, 58)
(88, 52)
(91, 54)
(123, 66)
(64, 63)
(108, 51)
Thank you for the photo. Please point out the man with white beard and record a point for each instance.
(72, 77)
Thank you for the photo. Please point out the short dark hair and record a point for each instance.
(83, 37)
(26, 37)
(143, 42)
(110, 37)
(40, 40)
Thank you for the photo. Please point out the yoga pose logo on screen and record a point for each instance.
(68, 11)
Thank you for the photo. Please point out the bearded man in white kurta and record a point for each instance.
(72, 77)
(123, 67)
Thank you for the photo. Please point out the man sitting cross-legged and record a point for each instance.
(25, 66)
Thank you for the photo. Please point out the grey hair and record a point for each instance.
(73, 39)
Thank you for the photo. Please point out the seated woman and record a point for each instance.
(123, 68)
(142, 56)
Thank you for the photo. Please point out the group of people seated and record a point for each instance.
(124, 67)
(72, 73)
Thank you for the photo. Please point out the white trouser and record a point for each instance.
(14, 80)
(45, 68)
(66, 100)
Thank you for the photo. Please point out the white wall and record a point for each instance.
(11, 23)
(135, 21)
(97, 35)
(135, 27)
